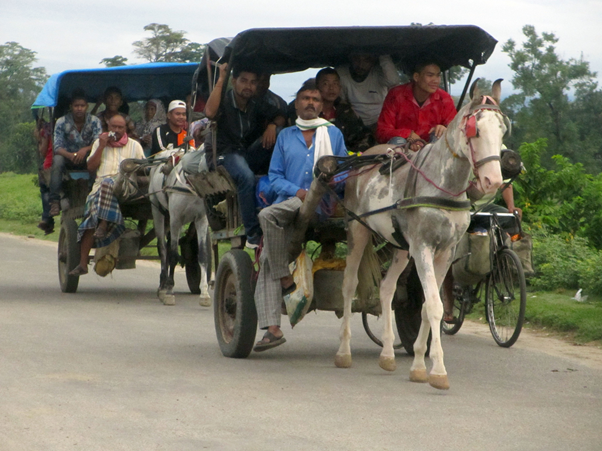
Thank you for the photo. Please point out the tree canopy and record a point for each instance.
(554, 99)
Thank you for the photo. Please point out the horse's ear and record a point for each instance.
(496, 90)
(475, 92)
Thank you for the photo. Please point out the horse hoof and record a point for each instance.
(161, 294)
(418, 376)
(387, 363)
(439, 381)
(169, 300)
(205, 301)
(342, 360)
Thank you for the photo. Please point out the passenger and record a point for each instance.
(43, 135)
(365, 84)
(114, 104)
(154, 116)
(74, 134)
(174, 131)
(357, 137)
(416, 110)
(103, 222)
(265, 97)
(244, 145)
(291, 173)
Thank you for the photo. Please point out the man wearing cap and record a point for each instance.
(174, 131)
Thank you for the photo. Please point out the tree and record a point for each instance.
(167, 45)
(542, 107)
(20, 82)
(116, 61)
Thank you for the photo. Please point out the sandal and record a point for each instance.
(272, 342)
(452, 321)
(79, 270)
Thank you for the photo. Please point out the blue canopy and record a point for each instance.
(141, 82)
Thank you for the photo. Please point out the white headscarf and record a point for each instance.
(322, 145)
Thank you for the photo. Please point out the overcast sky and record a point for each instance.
(68, 34)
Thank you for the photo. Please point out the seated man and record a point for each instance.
(113, 100)
(244, 147)
(103, 222)
(417, 110)
(74, 134)
(357, 137)
(174, 131)
(267, 98)
(291, 173)
(365, 84)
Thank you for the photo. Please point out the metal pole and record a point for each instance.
(470, 74)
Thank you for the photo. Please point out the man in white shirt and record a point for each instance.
(103, 222)
(365, 84)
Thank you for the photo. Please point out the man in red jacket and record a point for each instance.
(419, 109)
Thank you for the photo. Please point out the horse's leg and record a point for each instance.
(358, 237)
(159, 225)
(431, 275)
(175, 228)
(202, 233)
(387, 290)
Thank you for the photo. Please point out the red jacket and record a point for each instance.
(401, 114)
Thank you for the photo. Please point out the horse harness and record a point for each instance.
(400, 155)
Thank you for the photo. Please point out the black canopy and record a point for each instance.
(281, 50)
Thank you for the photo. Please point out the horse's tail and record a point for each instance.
(370, 274)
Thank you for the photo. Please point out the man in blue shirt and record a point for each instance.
(74, 135)
(291, 172)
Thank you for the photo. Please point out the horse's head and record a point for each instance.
(484, 125)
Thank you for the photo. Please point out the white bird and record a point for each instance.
(578, 296)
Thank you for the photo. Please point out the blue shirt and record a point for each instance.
(291, 168)
(66, 135)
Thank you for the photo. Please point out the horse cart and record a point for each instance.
(279, 51)
(164, 81)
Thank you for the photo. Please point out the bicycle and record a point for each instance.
(503, 286)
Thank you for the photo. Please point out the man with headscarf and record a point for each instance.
(297, 150)
(103, 222)
(154, 116)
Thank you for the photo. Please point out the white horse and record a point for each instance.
(171, 196)
(424, 204)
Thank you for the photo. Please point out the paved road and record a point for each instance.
(110, 368)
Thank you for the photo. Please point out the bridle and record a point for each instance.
(471, 130)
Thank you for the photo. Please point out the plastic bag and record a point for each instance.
(298, 302)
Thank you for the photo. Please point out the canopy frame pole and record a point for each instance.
(473, 66)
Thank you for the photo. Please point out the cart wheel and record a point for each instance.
(506, 298)
(189, 250)
(408, 315)
(68, 255)
(234, 305)
(373, 337)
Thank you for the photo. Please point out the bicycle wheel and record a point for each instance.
(506, 298)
